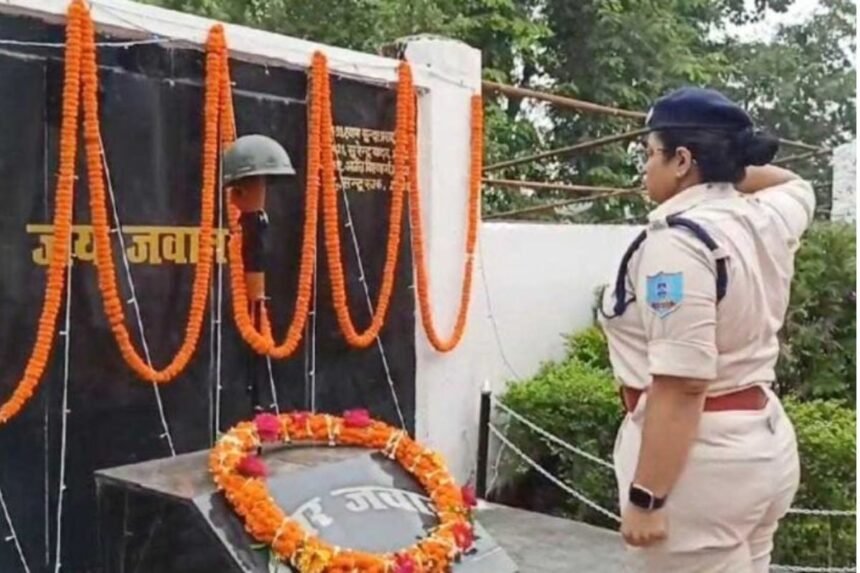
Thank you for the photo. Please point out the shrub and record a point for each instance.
(578, 403)
(816, 374)
(818, 356)
(589, 347)
(826, 437)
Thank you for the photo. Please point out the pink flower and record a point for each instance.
(268, 427)
(357, 418)
(252, 466)
(404, 564)
(463, 535)
(469, 497)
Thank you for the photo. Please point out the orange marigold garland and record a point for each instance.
(418, 249)
(261, 340)
(63, 207)
(239, 474)
(104, 258)
(332, 227)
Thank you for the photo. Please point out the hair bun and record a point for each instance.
(757, 147)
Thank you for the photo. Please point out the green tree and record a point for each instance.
(802, 84)
(627, 53)
(623, 53)
(503, 30)
(818, 356)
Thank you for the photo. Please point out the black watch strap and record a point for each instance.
(644, 498)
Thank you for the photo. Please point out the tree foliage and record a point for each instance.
(623, 53)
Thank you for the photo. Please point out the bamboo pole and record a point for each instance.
(799, 156)
(582, 146)
(550, 186)
(800, 145)
(560, 100)
(587, 106)
(565, 203)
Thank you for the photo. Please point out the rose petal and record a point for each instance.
(404, 564)
(359, 418)
(252, 466)
(463, 535)
(268, 427)
(469, 497)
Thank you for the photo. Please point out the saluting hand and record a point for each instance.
(641, 528)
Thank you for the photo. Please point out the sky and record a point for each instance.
(799, 11)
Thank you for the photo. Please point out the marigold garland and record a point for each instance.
(239, 474)
(418, 248)
(63, 208)
(81, 79)
(113, 306)
(395, 216)
(321, 173)
(261, 340)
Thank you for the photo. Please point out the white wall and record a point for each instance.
(541, 278)
(844, 182)
(445, 394)
(541, 281)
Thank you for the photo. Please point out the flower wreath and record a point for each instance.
(240, 474)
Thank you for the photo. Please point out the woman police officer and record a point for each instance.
(706, 459)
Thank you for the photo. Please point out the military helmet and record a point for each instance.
(255, 155)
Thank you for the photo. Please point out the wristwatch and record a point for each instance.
(644, 498)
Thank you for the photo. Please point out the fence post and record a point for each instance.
(483, 442)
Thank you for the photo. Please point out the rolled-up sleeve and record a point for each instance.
(793, 203)
(676, 290)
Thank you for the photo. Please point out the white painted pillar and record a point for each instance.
(844, 206)
(447, 385)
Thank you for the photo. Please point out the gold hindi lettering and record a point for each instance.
(151, 245)
(364, 158)
(144, 247)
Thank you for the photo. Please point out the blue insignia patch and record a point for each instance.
(665, 292)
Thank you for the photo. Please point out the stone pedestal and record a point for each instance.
(165, 516)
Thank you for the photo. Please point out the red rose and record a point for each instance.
(463, 535)
(469, 497)
(300, 418)
(357, 418)
(268, 427)
(252, 466)
(404, 564)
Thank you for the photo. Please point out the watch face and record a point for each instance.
(641, 497)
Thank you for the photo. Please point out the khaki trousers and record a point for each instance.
(740, 479)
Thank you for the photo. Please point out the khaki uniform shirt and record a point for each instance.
(675, 326)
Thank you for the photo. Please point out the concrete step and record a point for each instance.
(541, 543)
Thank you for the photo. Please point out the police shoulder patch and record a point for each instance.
(665, 293)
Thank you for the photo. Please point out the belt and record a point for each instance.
(751, 398)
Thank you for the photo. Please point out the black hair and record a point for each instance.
(722, 156)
